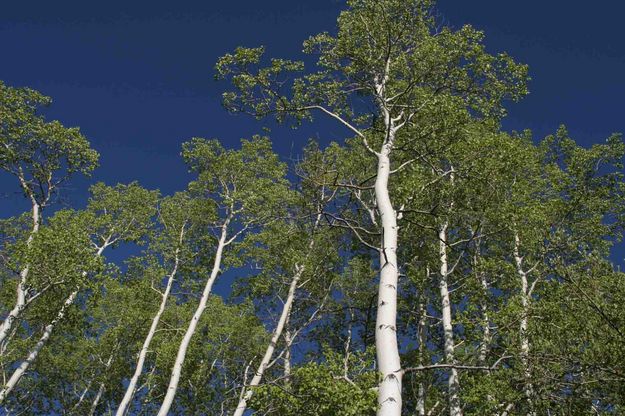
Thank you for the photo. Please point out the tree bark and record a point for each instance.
(288, 341)
(186, 340)
(528, 388)
(32, 356)
(277, 333)
(19, 372)
(453, 383)
(486, 334)
(21, 302)
(98, 396)
(387, 351)
(421, 393)
(96, 400)
(132, 385)
(82, 396)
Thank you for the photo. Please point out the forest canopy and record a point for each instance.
(427, 263)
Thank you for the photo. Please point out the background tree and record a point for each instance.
(248, 188)
(113, 215)
(42, 156)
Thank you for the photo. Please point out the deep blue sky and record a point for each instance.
(137, 76)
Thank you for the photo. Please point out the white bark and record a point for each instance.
(32, 356)
(98, 396)
(528, 388)
(186, 340)
(82, 397)
(277, 333)
(422, 347)
(19, 372)
(96, 400)
(21, 302)
(453, 384)
(387, 351)
(132, 385)
(486, 335)
(288, 341)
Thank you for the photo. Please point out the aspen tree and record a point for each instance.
(114, 215)
(248, 188)
(387, 54)
(180, 218)
(42, 156)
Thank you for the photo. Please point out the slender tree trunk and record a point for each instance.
(528, 388)
(453, 382)
(186, 340)
(20, 304)
(98, 396)
(421, 393)
(387, 351)
(286, 372)
(34, 353)
(277, 333)
(96, 400)
(32, 356)
(132, 385)
(82, 397)
(486, 335)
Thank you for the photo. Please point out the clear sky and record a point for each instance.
(137, 76)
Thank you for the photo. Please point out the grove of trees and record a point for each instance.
(429, 263)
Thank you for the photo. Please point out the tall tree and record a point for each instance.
(296, 257)
(42, 156)
(180, 217)
(114, 215)
(388, 54)
(248, 188)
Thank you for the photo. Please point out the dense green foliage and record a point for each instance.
(520, 232)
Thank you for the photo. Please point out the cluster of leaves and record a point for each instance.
(323, 389)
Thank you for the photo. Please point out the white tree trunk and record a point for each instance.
(453, 383)
(82, 397)
(286, 372)
(277, 333)
(98, 396)
(421, 394)
(186, 340)
(32, 356)
(528, 388)
(486, 334)
(132, 385)
(34, 353)
(387, 351)
(96, 400)
(282, 322)
(20, 304)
